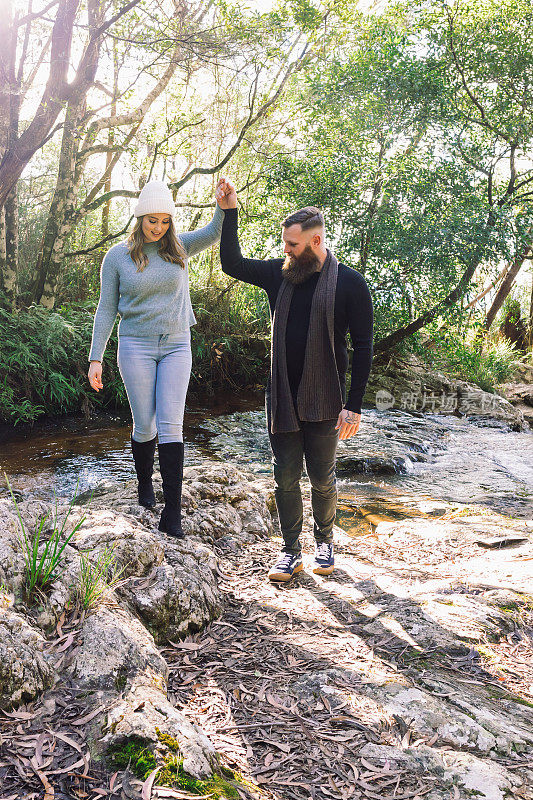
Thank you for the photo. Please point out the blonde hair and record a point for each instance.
(170, 247)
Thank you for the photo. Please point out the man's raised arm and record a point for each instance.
(249, 270)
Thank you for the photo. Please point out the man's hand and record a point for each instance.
(348, 423)
(225, 194)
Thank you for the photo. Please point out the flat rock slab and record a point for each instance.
(468, 775)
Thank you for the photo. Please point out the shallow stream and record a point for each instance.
(395, 456)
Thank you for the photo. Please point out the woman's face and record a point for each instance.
(154, 226)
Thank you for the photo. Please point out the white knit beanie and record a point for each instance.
(155, 198)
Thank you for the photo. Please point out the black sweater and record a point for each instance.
(353, 311)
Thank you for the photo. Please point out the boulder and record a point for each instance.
(116, 650)
(144, 713)
(24, 670)
(180, 595)
(407, 383)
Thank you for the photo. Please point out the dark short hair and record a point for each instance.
(308, 217)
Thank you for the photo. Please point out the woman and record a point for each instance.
(145, 281)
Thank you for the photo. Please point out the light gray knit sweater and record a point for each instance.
(150, 302)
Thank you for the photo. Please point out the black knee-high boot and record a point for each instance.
(143, 455)
(171, 467)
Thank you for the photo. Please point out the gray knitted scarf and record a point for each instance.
(319, 393)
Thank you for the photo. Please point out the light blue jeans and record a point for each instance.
(156, 372)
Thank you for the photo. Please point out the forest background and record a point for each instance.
(410, 124)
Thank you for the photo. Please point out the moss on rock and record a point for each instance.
(135, 754)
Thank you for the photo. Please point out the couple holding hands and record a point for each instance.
(314, 302)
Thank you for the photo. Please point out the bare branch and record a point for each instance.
(137, 116)
(251, 120)
(36, 14)
(101, 242)
(31, 77)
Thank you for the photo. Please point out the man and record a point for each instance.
(314, 301)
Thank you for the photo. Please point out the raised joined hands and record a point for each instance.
(225, 194)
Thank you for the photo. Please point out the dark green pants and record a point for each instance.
(317, 443)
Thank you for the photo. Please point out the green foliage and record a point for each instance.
(98, 576)
(230, 343)
(485, 364)
(44, 361)
(133, 754)
(43, 548)
(44, 354)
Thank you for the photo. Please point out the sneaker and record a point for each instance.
(285, 567)
(324, 559)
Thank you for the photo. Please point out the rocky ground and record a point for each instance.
(406, 382)
(408, 673)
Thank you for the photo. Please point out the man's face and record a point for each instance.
(301, 258)
(295, 240)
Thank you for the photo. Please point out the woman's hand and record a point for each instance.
(225, 194)
(95, 375)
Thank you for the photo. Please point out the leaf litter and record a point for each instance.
(237, 680)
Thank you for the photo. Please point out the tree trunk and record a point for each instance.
(11, 206)
(58, 91)
(61, 208)
(508, 281)
(11, 223)
(106, 209)
(53, 100)
(9, 103)
(531, 314)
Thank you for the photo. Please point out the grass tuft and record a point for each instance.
(43, 549)
(98, 576)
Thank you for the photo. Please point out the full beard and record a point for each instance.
(298, 269)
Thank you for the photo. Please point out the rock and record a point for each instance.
(119, 658)
(226, 501)
(435, 710)
(24, 671)
(479, 405)
(521, 397)
(180, 595)
(137, 550)
(116, 650)
(509, 722)
(409, 384)
(427, 716)
(158, 717)
(476, 777)
(12, 562)
(518, 393)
